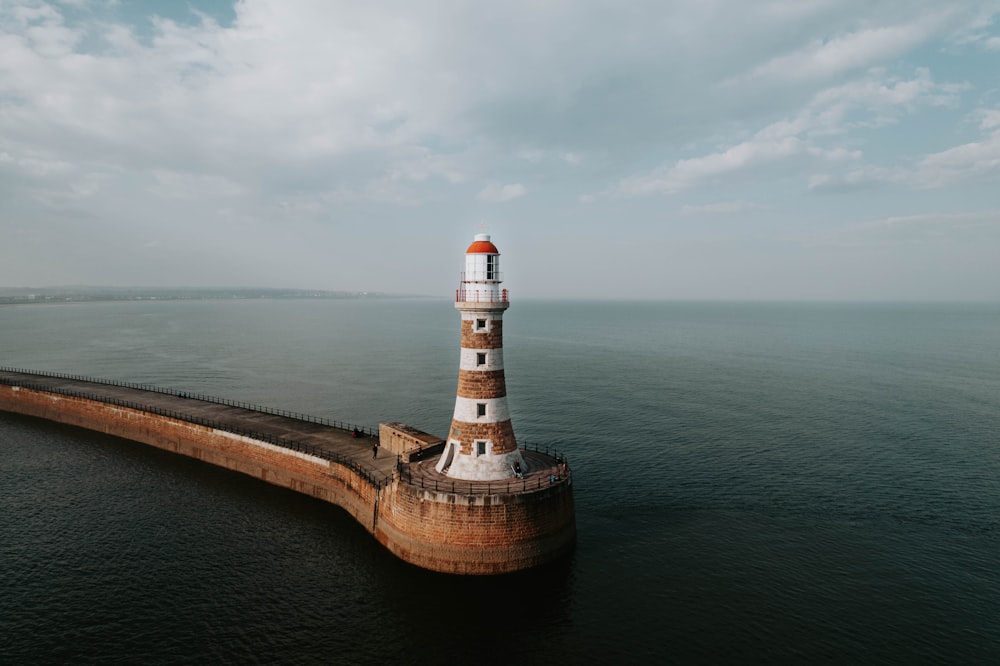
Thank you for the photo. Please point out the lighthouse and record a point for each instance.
(481, 444)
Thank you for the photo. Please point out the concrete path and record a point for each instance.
(335, 440)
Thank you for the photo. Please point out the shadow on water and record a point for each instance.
(524, 616)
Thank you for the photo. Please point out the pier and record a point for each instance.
(419, 513)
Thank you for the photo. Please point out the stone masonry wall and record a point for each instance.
(482, 340)
(481, 384)
(489, 534)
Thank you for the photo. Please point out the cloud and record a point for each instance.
(807, 140)
(970, 160)
(175, 185)
(295, 123)
(500, 193)
(925, 228)
(962, 163)
(687, 173)
(859, 49)
(858, 177)
(718, 208)
(282, 87)
(419, 164)
(877, 100)
(988, 118)
(778, 142)
(384, 191)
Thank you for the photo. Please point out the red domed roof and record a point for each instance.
(482, 247)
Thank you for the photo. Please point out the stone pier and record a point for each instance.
(419, 514)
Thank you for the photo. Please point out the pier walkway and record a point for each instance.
(332, 440)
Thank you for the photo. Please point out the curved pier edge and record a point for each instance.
(478, 534)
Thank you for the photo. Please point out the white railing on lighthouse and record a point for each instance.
(481, 296)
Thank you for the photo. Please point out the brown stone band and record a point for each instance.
(481, 384)
(482, 340)
(501, 434)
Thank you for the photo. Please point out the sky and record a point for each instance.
(709, 149)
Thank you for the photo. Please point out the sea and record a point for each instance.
(754, 482)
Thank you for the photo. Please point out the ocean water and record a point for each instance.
(754, 482)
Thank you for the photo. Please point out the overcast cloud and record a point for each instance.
(824, 149)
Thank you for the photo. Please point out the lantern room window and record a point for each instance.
(491, 267)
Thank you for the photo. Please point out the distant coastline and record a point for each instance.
(30, 295)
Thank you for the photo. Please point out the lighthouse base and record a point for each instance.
(488, 467)
(480, 527)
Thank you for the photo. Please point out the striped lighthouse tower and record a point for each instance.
(481, 444)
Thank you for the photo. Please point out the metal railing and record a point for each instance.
(474, 296)
(555, 454)
(557, 475)
(369, 475)
(367, 431)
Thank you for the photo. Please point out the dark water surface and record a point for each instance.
(754, 482)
